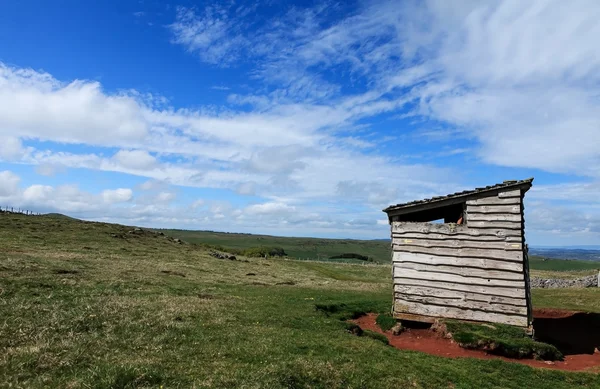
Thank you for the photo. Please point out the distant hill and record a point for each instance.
(566, 253)
(302, 248)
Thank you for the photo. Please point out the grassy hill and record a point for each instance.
(300, 248)
(324, 249)
(94, 305)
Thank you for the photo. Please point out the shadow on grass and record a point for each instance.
(578, 333)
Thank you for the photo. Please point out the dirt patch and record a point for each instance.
(426, 340)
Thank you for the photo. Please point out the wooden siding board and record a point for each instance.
(403, 306)
(453, 229)
(457, 294)
(492, 217)
(447, 277)
(458, 244)
(457, 237)
(461, 271)
(480, 263)
(511, 292)
(460, 252)
(495, 209)
(464, 304)
(494, 200)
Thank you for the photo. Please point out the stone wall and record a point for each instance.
(584, 282)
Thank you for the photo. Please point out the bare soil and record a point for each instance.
(432, 342)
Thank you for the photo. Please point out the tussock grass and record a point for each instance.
(385, 321)
(500, 339)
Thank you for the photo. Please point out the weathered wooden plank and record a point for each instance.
(489, 290)
(458, 244)
(478, 305)
(451, 252)
(495, 201)
(462, 271)
(463, 237)
(445, 277)
(493, 224)
(428, 227)
(460, 295)
(481, 263)
(452, 229)
(493, 217)
(403, 306)
(510, 193)
(505, 209)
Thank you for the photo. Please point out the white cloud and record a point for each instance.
(198, 204)
(48, 170)
(120, 195)
(9, 183)
(271, 208)
(10, 148)
(246, 188)
(35, 105)
(213, 35)
(135, 159)
(165, 197)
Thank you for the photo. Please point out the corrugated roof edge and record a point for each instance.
(508, 184)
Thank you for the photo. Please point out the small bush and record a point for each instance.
(262, 252)
(351, 256)
(385, 322)
(500, 339)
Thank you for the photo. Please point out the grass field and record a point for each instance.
(90, 305)
(300, 248)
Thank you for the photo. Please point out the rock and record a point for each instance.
(397, 329)
(177, 240)
(231, 257)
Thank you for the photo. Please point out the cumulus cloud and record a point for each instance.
(33, 104)
(10, 148)
(9, 183)
(120, 195)
(271, 208)
(135, 159)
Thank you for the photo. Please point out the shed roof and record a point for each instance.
(453, 198)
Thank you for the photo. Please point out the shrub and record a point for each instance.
(351, 256)
(385, 322)
(501, 339)
(263, 251)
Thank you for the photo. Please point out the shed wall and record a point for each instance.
(471, 272)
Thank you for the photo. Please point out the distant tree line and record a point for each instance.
(253, 252)
(352, 256)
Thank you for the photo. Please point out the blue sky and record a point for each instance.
(299, 118)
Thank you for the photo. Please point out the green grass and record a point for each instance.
(539, 263)
(500, 339)
(385, 321)
(300, 248)
(80, 308)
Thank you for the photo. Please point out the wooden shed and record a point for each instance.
(462, 256)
